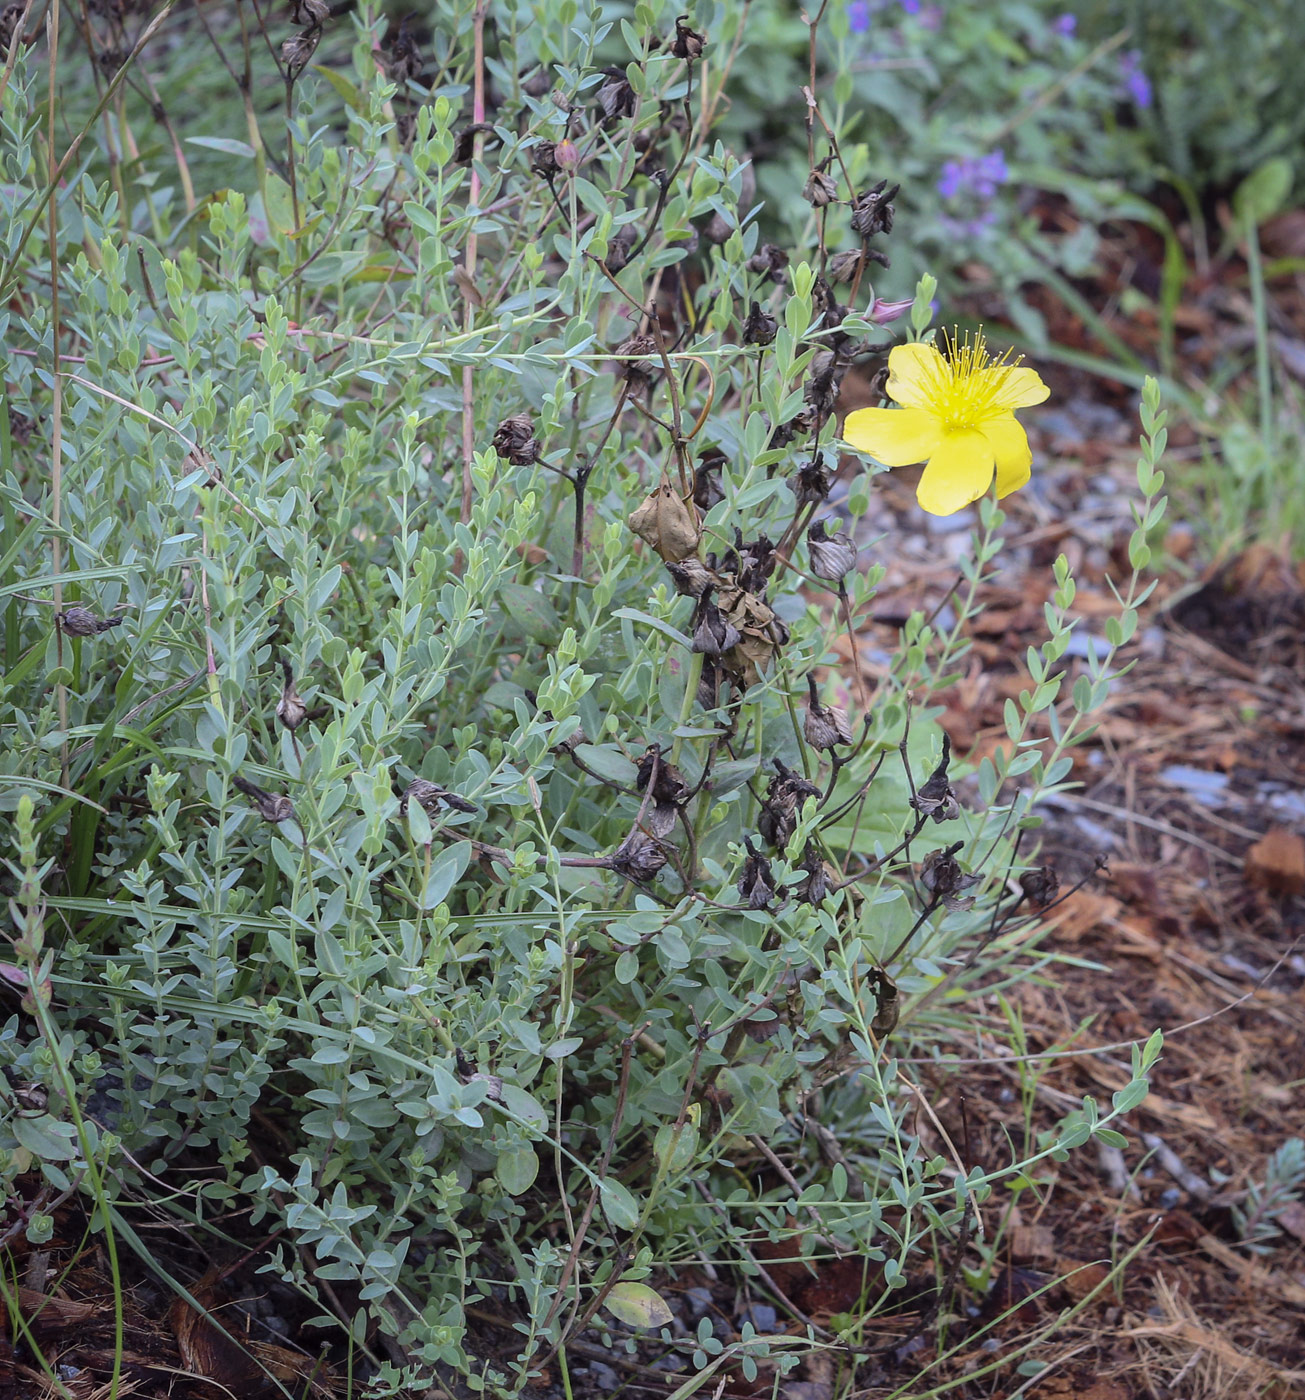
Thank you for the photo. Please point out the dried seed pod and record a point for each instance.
(687, 44)
(639, 857)
(662, 818)
(757, 561)
(632, 363)
(667, 524)
(769, 261)
(298, 50)
(787, 791)
(797, 426)
(810, 483)
(537, 84)
(669, 785)
(707, 490)
(821, 188)
(615, 96)
(1040, 886)
(691, 576)
(887, 1008)
(756, 884)
(826, 727)
(272, 806)
(543, 159)
(816, 887)
(515, 441)
(465, 146)
(405, 61)
(708, 694)
(619, 247)
(942, 876)
(82, 622)
(935, 798)
(431, 797)
(842, 267)
(823, 382)
(872, 211)
(309, 11)
(713, 633)
(760, 328)
(833, 557)
(290, 709)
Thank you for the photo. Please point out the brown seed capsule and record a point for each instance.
(935, 798)
(826, 726)
(290, 710)
(691, 576)
(810, 483)
(639, 857)
(787, 792)
(821, 188)
(770, 261)
(707, 490)
(431, 797)
(760, 328)
(619, 247)
(872, 211)
(833, 557)
(667, 524)
(687, 43)
(273, 807)
(887, 1008)
(405, 61)
(637, 372)
(797, 426)
(1040, 886)
(514, 440)
(82, 622)
(756, 884)
(823, 382)
(815, 888)
(543, 159)
(615, 95)
(713, 633)
(942, 876)
(309, 11)
(669, 784)
(842, 267)
(298, 50)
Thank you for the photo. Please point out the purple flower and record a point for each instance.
(912, 7)
(884, 311)
(979, 176)
(952, 178)
(931, 18)
(1066, 26)
(1136, 83)
(858, 16)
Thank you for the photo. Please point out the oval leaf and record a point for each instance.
(637, 1305)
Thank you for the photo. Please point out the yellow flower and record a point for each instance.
(958, 415)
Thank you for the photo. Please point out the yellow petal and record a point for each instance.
(894, 436)
(1010, 446)
(958, 473)
(1014, 386)
(917, 375)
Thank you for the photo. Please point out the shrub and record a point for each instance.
(435, 829)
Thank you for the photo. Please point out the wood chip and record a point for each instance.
(1276, 863)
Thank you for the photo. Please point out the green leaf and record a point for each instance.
(674, 1147)
(1111, 1138)
(278, 204)
(226, 144)
(352, 97)
(531, 611)
(1263, 193)
(45, 1137)
(517, 1169)
(619, 1205)
(608, 762)
(637, 1305)
(446, 870)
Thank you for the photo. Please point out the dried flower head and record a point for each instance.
(1040, 886)
(823, 382)
(687, 43)
(756, 884)
(833, 557)
(298, 50)
(769, 261)
(667, 524)
(787, 791)
(668, 785)
(431, 797)
(639, 857)
(872, 211)
(821, 188)
(290, 709)
(405, 60)
(272, 806)
(797, 426)
(615, 95)
(826, 726)
(691, 576)
(760, 328)
(935, 798)
(619, 247)
(633, 362)
(707, 489)
(713, 633)
(942, 876)
(811, 482)
(543, 159)
(515, 441)
(309, 11)
(82, 622)
(815, 888)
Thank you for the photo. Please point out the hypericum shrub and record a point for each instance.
(441, 836)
